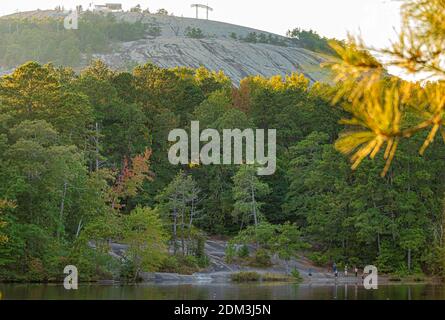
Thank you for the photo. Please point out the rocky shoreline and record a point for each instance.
(221, 272)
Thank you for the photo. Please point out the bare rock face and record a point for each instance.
(5, 71)
(237, 59)
(218, 49)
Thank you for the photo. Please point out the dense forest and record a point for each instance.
(84, 163)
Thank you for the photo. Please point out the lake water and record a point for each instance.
(230, 291)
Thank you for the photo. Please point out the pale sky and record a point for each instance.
(374, 19)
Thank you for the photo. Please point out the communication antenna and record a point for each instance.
(202, 6)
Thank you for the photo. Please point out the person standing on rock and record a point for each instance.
(356, 272)
(334, 267)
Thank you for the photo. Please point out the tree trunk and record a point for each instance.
(255, 218)
(136, 274)
(96, 139)
(442, 244)
(175, 221)
(409, 260)
(378, 242)
(182, 233)
(62, 208)
(79, 227)
(192, 213)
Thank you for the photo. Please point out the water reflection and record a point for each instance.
(208, 291)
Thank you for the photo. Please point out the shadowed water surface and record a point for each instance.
(209, 291)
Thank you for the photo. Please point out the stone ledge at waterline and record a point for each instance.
(179, 278)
